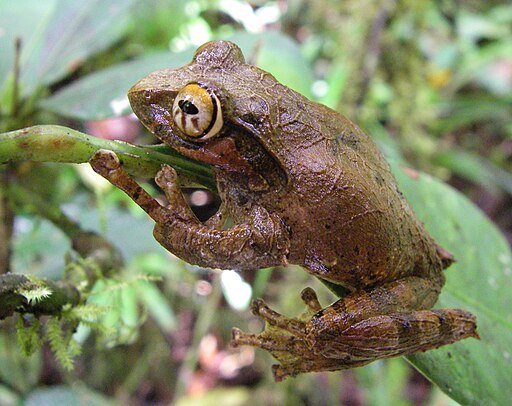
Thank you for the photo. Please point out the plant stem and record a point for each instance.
(15, 106)
(52, 143)
(20, 196)
(88, 245)
(6, 225)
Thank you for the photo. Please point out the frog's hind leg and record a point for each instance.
(360, 328)
(389, 320)
(394, 335)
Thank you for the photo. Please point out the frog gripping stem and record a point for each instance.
(301, 185)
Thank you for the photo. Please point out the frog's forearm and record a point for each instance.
(197, 244)
(178, 230)
(250, 246)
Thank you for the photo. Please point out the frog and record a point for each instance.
(301, 185)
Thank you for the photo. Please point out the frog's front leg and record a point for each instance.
(356, 330)
(262, 243)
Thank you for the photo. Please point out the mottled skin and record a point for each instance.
(303, 186)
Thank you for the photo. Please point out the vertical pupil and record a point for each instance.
(188, 107)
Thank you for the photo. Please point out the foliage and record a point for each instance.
(431, 82)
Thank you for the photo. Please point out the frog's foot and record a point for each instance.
(320, 340)
(285, 338)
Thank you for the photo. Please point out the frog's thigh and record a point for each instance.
(387, 322)
(409, 293)
(394, 335)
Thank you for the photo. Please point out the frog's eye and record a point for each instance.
(197, 112)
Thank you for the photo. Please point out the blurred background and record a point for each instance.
(430, 80)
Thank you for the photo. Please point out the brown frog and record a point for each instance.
(303, 185)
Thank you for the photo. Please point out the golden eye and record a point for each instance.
(197, 112)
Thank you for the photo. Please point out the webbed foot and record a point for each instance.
(286, 339)
(321, 340)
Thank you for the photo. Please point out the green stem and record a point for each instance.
(15, 87)
(52, 143)
(19, 196)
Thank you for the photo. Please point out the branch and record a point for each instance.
(28, 294)
(371, 59)
(50, 143)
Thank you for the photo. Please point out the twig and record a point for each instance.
(15, 107)
(373, 54)
(20, 196)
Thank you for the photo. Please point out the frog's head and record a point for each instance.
(205, 110)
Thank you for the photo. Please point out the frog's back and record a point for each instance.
(349, 223)
(361, 229)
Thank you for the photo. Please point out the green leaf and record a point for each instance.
(56, 35)
(61, 343)
(278, 54)
(476, 63)
(476, 169)
(465, 111)
(236, 396)
(103, 94)
(470, 371)
(18, 371)
(158, 306)
(66, 395)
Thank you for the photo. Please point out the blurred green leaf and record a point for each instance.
(39, 248)
(279, 55)
(238, 396)
(476, 65)
(470, 371)
(103, 94)
(8, 397)
(57, 36)
(336, 82)
(158, 22)
(477, 108)
(66, 395)
(476, 169)
(384, 381)
(122, 320)
(16, 370)
(473, 27)
(158, 306)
